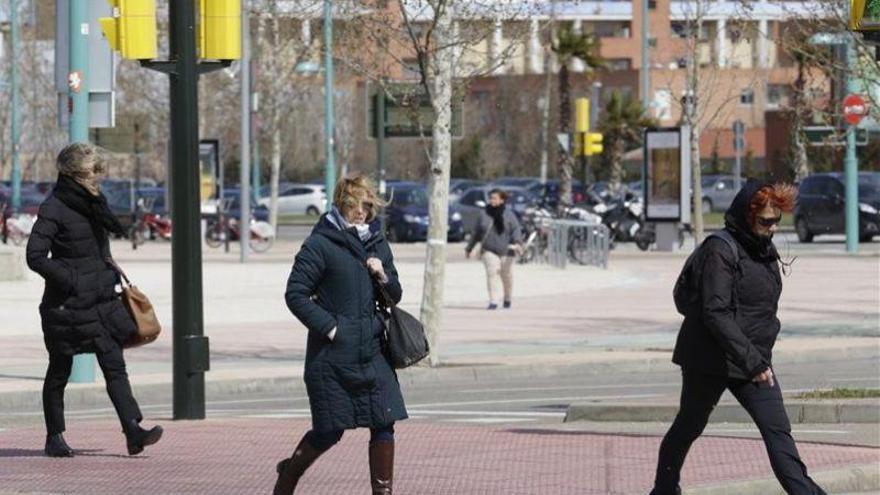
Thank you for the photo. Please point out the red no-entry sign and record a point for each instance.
(854, 109)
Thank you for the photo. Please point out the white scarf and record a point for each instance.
(363, 229)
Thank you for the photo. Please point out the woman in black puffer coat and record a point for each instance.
(82, 310)
(727, 337)
(333, 290)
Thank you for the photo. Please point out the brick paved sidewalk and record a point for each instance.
(238, 456)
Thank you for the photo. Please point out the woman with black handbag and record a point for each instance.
(82, 310)
(332, 290)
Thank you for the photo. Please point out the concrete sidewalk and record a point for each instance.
(234, 456)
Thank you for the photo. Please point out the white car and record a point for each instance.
(299, 199)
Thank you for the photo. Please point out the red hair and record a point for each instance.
(780, 196)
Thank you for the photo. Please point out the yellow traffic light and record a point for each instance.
(864, 15)
(582, 115)
(220, 29)
(593, 144)
(132, 29)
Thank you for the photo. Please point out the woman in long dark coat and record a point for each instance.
(81, 310)
(727, 338)
(332, 290)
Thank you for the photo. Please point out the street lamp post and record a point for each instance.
(13, 83)
(329, 145)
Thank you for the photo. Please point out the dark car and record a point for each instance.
(822, 204)
(549, 193)
(457, 188)
(30, 202)
(154, 200)
(406, 216)
(524, 182)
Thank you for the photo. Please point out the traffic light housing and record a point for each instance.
(220, 29)
(593, 143)
(582, 115)
(132, 29)
(864, 15)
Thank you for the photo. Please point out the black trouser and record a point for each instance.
(118, 388)
(699, 394)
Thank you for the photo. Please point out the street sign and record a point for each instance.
(74, 81)
(854, 109)
(829, 136)
(739, 131)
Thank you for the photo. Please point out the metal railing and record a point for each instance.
(577, 241)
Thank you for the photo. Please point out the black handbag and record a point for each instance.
(405, 339)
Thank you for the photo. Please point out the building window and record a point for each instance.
(615, 29)
(683, 29)
(747, 97)
(776, 95)
(652, 4)
(619, 64)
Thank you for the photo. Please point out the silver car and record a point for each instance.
(718, 192)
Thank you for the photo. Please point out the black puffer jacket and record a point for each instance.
(733, 330)
(349, 381)
(81, 310)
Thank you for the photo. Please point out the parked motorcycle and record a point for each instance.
(17, 228)
(624, 217)
(262, 234)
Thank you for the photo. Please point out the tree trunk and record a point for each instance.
(564, 160)
(275, 177)
(545, 108)
(692, 112)
(801, 163)
(441, 71)
(618, 148)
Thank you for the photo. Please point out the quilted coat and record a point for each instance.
(348, 379)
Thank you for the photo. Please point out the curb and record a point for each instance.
(161, 393)
(865, 478)
(798, 413)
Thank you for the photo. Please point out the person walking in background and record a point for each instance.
(499, 234)
(333, 291)
(729, 294)
(82, 309)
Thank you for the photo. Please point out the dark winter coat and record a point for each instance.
(81, 310)
(734, 328)
(349, 381)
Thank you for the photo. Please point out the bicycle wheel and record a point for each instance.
(214, 235)
(261, 244)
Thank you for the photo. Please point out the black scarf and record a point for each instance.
(95, 208)
(736, 221)
(497, 214)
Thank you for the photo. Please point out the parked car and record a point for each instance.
(406, 216)
(548, 193)
(474, 202)
(524, 182)
(718, 192)
(822, 203)
(457, 188)
(299, 199)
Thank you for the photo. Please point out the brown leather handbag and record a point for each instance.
(141, 311)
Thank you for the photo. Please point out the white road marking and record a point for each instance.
(572, 387)
(515, 414)
(489, 420)
(536, 399)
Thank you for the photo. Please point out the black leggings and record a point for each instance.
(324, 440)
(699, 394)
(118, 388)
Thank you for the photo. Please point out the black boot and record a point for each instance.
(57, 447)
(290, 470)
(137, 438)
(382, 468)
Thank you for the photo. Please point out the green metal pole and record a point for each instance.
(380, 137)
(190, 347)
(13, 81)
(850, 163)
(83, 370)
(330, 167)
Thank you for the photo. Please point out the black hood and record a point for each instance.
(736, 221)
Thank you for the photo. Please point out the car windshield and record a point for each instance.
(869, 186)
(411, 197)
(708, 181)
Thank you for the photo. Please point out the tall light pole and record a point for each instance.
(329, 145)
(13, 83)
(244, 170)
(850, 162)
(646, 46)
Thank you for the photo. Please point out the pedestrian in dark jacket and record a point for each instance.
(727, 338)
(333, 290)
(82, 310)
(499, 234)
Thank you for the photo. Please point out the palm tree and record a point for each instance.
(622, 125)
(571, 45)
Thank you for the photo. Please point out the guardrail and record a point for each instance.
(577, 241)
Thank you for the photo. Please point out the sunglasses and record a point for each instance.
(769, 222)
